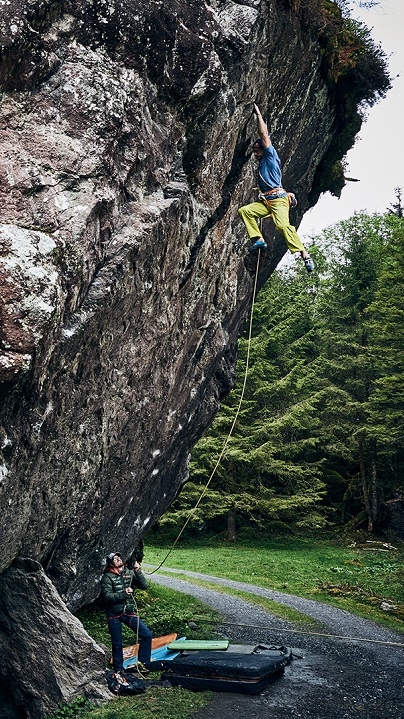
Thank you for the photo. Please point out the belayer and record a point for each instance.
(273, 201)
(117, 592)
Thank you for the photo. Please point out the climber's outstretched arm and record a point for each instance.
(262, 128)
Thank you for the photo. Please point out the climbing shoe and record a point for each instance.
(308, 263)
(258, 245)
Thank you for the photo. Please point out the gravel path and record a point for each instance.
(328, 679)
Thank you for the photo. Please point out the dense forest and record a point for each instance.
(319, 441)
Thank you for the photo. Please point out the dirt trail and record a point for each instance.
(328, 679)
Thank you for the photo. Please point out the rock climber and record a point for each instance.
(117, 593)
(273, 201)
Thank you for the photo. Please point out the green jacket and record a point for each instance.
(113, 589)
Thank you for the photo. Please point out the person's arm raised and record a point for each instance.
(262, 128)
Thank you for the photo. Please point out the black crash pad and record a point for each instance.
(228, 672)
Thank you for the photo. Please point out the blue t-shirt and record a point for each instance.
(269, 171)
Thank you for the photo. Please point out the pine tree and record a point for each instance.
(320, 432)
(346, 361)
(397, 208)
(386, 328)
(268, 473)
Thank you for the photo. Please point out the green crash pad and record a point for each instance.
(197, 645)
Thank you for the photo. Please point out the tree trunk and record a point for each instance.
(231, 525)
(374, 504)
(365, 490)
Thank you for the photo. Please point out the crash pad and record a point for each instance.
(158, 656)
(197, 645)
(227, 671)
(157, 642)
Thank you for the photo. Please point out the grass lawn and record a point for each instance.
(164, 611)
(172, 703)
(351, 577)
(357, 578)
(269, 605)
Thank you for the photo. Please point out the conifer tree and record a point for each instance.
(320, 432)
(268, 473)
(345, 365)
(397, 207)
(385, 411)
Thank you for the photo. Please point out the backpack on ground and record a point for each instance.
(127, 686)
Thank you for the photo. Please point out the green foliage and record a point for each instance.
(352, 365)
(396, 208)
(360, 64)
(170, 703)
(386, 333)
(350, 56)
(356, 70)
(308, 567)
(319, 438)
(77, 709)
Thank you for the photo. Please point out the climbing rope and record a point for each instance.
(205, 489)
(139, 664)
(299, 631)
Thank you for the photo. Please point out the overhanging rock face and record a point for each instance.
(124, 132)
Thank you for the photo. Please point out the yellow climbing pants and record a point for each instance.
(279, 211)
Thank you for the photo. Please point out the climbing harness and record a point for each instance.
(192, 511)
(277, 194)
